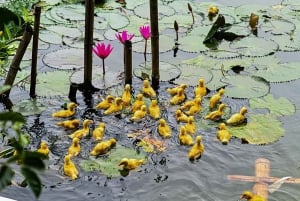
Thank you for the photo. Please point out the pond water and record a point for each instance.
(167, 175)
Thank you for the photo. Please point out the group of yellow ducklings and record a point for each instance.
(185, 113)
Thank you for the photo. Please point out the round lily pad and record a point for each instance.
(202, 61)
(192, 44)
(216, 83)
(65, 31)
(287, 42)
(279, 26)
(114, 20)
(166, 43)
(51, 37)
(66, 14)
(260, 129)
(143, 11)
(29, 107)
(167, 71)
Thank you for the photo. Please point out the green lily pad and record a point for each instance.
(167, 71)
(109, 166)
(192, 44)
(114, 20)
(240, 86)
(291, 2)
(287, 42)
(190, 75)
(135, 22)
(65, 31)
(166, 43)
(29, 107)
(245, 11)
(260, 129)
(67, 14)
(216, 83)
(201, 61)
(278, 26)
(51, 37)
(70, 58)
(278, 107)
(184, 21)
(143, 11)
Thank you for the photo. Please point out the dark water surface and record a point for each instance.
(169, 176)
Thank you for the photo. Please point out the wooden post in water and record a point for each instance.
(35, 45)
(128, 62)
(88, 42)
(154, 43)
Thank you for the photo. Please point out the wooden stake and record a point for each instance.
(154, 43)
(35, 45)
(128, 62)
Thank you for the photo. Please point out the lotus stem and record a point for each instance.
(103, 66)
(192, 13)
(145, 51)
(176, 29)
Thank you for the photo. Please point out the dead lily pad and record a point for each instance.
(260, 129)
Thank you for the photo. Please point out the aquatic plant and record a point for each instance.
(123, 36)
(102, 51)
(146, 33)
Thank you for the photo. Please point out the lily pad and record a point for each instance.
(190, 75)
(65, 31)
(260, 129)
(109, 166)
(287, 42)
(167, 71)
(278, 107)
(114, 20)
(216, 83)
(166, 43)
(29, 107)
(240, 86)
(67, 14)
(201, 61)
(192, 44)
(143, 11)
(70, 58)
(51, 37)
(278, 27)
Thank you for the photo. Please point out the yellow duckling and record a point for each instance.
(223, 134)
(66, 113)
(252, 197)
(103, 147)
(200, 90)
(196, 108)
(139, 114)
(105, 104)
(147, 89)
(178, 98)
(213, 11)
(131, 164)
(126, 96)
(180, 116)
(215, 99)
(154, 109)
(138, 103)
(217, 114)
(98, 132)
(187, 105)
(197, 149)
(190, 126)
(84, 131)
(74, 149)
(69, 168)
(69, 124)
(163, 129)
(184, 138)
(117, 106)
(237, 117)
(44, 149)
(173, 91)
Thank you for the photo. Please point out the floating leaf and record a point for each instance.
(277, 107)
(260, 129)
(29, 107)
(163, 10)
(192, 44)
(114, 20)
(51, 37)
(109, 166)
(202, 61)
(278, 26)
(65, 31)
(216, 83)
(66, 14)
(287, 42)
(240, 86)
(166, 43)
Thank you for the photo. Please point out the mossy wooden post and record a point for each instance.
(154, 43)
(35, 45)
(128, 62)
(15, 64)
(88, 42)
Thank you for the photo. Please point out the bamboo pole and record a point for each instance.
(154, 43)
(35, 45)
(88, 42)
(128, 62)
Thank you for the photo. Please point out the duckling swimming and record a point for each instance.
(252, 197)
(200, 90)
(215, 99)
(148, 90)
(69, 124)
(237, 118)
(126, 96)
(188, 104)
(180, 116)
(173, 91)
(66, 113)
(69, 168)
(197, 149)
(105, 104)
(44, 149)
(103, 147)
(139, 114)
(223, 134)
(190, 126)
(184, 138)
(154, 110)
(178, 98)
(131, 164)
(196, 108)
(163, 129)
(74, 149)
(138, 103)
(217, 114)
(98, 132)
(117, 106)
(84, 131)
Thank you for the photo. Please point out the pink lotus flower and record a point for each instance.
(145, 31)
(102, 51)
(123, 36)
